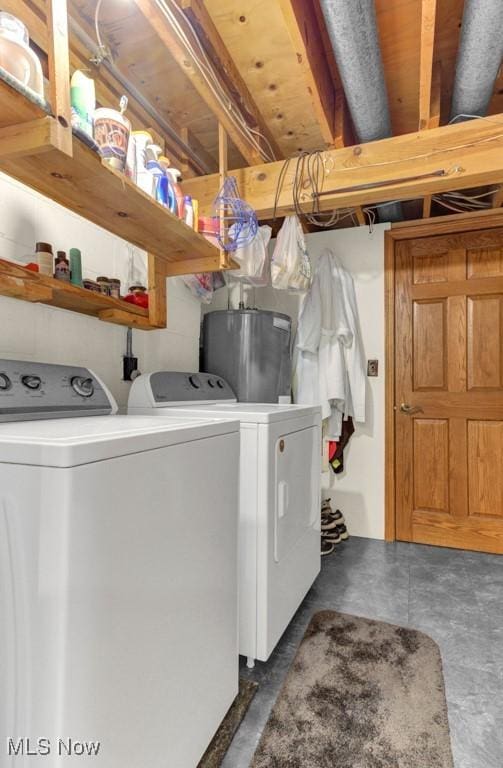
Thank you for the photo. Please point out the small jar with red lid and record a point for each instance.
(137, 295)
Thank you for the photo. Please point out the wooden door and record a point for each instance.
(449, 390)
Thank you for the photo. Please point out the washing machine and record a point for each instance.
(118, 576)
(279, 511)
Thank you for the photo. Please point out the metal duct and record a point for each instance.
(352, 28)
(479, 57)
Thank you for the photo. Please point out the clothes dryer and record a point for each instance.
(280, 487)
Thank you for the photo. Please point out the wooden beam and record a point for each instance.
(157, 299)
(469, 153)
(123, 317)
(360, 216)
(427, 42)
(497, 198)
(193, 266)
(30, 138)
(343, 130)
(433, 122)
(223, 167)
(443, 225)
(59, 71)
(426, 206)
(191, 69)
(210, 39)
(302, 24)
(436, 96)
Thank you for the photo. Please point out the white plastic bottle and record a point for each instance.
(189, 211)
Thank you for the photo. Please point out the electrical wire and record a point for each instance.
(103, 50)
(309, 172)
(307, 176)
(472, 117)
(206, 69)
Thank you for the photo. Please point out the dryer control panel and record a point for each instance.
(176, 387)
(44, 391)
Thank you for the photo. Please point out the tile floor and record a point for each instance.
(456, 597)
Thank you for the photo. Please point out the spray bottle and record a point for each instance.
(176, 176)
(171, 198)
(152, 155)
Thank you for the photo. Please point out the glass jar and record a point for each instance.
(115, 288)
(91, 285)
(16, 56)
(104, 284)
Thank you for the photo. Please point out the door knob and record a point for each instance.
(410, 409)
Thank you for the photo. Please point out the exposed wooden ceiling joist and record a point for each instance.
(256, 36)
(426, 49)
(189, 66)
(497, 198)
(210, 38)
(302, 24)
(426, 55)
(470, 155)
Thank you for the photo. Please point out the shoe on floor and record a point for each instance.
(331, 519)
(333, 536)
(327, 547)
(326, 507)
(343, 532)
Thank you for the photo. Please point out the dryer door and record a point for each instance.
(297, 480)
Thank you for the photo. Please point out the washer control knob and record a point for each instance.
(220, 384)
(5, 382)
(195, 382)
(211, 383)
(82, 386)
(31, 382)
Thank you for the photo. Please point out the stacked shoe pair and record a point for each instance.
(333, 528)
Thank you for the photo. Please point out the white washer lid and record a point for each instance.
(71, 442)
(254, 413)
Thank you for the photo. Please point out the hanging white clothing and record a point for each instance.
(328, 359)
(354, 353)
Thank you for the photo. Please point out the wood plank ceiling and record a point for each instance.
(278, 54)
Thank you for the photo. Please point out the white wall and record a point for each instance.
(359, 490)
(40, 333)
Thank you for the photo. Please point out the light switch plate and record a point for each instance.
(372, 367)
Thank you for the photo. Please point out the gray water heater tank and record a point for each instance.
(251, 349)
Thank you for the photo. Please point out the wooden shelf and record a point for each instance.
(88, 186)
(15, 108)
(37, 148)
(20, 283)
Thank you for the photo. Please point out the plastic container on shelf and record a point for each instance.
(83, 100)
(175, 177)
(16, 56)
(76, 266)
(111, 133)
(209, 227)
(174, 203)
(143, 178)
(188, 211)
